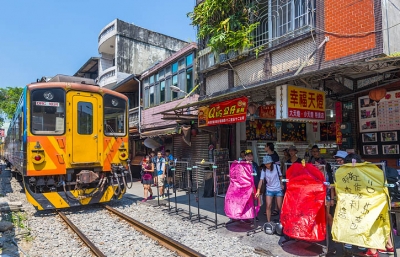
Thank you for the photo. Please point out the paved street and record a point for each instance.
(238, 229)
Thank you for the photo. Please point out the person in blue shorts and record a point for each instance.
(273, 178)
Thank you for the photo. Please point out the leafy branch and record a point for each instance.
(226, 24)
(9, 98)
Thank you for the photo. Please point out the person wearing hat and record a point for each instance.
(256, 172)
(273, 178)
(340, 156)
(286, 155)
(293, 155)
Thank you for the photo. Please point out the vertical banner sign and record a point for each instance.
(300, 104)
(227, 112)
(338, 111)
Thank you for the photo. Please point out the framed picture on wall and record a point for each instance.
(370, 149)
(368, 125)
(368, 114)
(390, 149)
(365, 101)
(369, 137)
(389, 136)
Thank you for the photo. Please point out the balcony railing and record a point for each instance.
(106, 31)
(106, 75)
(134, 117)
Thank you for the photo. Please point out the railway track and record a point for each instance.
(161, 239)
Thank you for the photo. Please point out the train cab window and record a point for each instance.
(85, 118)
(48, 111)
(114, 115)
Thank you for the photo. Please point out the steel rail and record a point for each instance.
(86, 240)
(163, 240)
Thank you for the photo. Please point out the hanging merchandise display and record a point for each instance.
(361, 217)
(261, 130)
(303, 209)
(239, 199)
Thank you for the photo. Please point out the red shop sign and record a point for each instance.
(227, 112)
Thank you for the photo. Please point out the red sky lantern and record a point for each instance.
(377, 94)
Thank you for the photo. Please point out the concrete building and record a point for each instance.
(127, 49)
(341, 48)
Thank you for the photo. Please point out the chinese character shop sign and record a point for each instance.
(298, 103)
(227, 112)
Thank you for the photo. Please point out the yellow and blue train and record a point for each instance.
(68, 144)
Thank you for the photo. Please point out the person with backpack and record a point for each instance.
(273, 183)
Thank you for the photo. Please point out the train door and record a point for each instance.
(85, 134)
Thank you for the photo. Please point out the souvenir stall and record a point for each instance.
(298, 116)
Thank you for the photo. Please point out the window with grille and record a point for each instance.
(283, 19)
(290, 15)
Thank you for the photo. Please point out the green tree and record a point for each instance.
(9, 98)
(226, 24)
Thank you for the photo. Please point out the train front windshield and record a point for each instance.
(114, 115)
(48, 111)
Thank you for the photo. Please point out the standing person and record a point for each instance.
(273, 177)
(269, 148)
(170, 162)
(293, 155)
(160, 170)
(286, 157)
(152, 158)
(256, 170)
(242, 156)
(340, 156)
(147, 178)
(315, 156)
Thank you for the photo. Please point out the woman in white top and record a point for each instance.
(273, 177)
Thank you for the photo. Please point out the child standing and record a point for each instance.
(273, 177)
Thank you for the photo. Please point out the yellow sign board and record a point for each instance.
(361, 215)
(299, 103)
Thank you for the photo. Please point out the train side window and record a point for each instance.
(85, 118)
(48, 111)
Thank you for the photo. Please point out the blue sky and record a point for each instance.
(44, 38)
